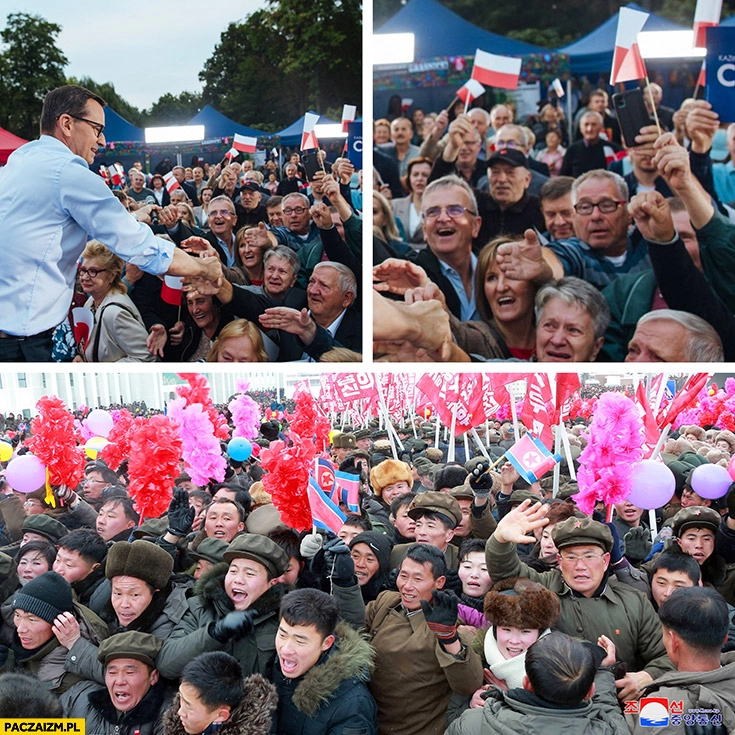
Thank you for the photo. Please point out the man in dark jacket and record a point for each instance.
(322, 670)
(133, 698)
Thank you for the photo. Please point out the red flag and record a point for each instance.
(231, 154)
(535, 415)
(683, 399)
(649, 422)
(706, 15)
(470, 90)
(567, 384)
(496, 71)
(244, 143)
(627, 60)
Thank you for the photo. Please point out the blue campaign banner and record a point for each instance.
(720, 73)
(354, 144)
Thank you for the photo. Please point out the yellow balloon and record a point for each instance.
(95, 445)
(6, 451)
(332, 434)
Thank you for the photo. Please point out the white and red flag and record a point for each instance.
(117, 174)
(406, 103)
(348, 116)
(105, 175)
(231, 154)
(558, 87)
(470, 90)
(244, 143)
(308, 136)
(496, 71)
(171, 183)
(172, 289)
(706, 15)
(627, 60)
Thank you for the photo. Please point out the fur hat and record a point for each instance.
(142, 560)
(698, 431)
(259, 494)
(449, 476)
(521, 603)
(728, 437)
(389, 472)
(344, 441)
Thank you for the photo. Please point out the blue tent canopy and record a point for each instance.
(292, 134)
(117, 128)
(593, 53)
(729, 21)
(440, 32)
(217, 125)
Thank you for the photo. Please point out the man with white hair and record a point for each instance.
(668, 335)
(138, 189)
(593, 151)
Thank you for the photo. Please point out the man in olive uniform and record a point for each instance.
(593, 603)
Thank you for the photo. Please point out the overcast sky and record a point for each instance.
(144, 47)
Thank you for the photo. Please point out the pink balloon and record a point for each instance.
(731, 467)
(99, 422)
(652, 484)
(710, 481)
(26, 473)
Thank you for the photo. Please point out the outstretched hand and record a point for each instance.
(518, 525)
(523, 260)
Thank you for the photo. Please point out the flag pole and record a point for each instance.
(449, 106)
(653, 104)
(450, 450)
(479, 443)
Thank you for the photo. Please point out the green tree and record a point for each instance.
(172, 109)
(284, 59)
(30, 66)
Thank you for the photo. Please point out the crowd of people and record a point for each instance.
(502, 240)
(271, 258)
(456, 597)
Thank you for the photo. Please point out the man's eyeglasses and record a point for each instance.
(295, 210)
(453, 210)
(98, 129)
(606, 206)
(220, 213)
(588, 558)
(91, 272)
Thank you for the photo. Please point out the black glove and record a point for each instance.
(332, 549)
(441, 615)
(180, 515)
(453, 583)
(616, 553)
(234, 626)
(637, 544)
(481, 481)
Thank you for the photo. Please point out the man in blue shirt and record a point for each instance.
(50, 204)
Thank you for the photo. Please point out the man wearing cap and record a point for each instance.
(701, 532)
(342, 445)
(507, 208)
(133, 698)
(437, 515)
(234, 610)
(250, 210)
(362, 439)
(593, 603)
(41, 611)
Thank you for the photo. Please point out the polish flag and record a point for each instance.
(627, 60)
(231, 155)
(170, 181)
(116, 174)
(706, 15)
(82, 321)
(172, 289)
(496, 71)
(470, 90)
(406, 102)
(558, 87)
(105, 175)
(244, 143)
(348, 116)
(308, 137)
(702, 78)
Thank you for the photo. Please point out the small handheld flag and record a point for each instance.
(496, 71)
(244, 143)
(348, 116)
(308, 137)
(627, 60)
(531, 459)
(470, 91)
(171, 183)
